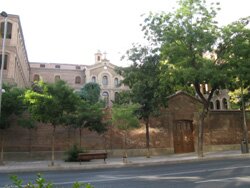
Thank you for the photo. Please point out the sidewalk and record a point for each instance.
(38, 166)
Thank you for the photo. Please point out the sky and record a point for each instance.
(72, 31)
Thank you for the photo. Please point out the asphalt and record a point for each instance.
(38, 166)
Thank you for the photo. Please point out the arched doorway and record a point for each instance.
(105, 96)
(183, 136)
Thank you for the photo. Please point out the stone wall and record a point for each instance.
(224, 127)
(223, 130)
(39, 139)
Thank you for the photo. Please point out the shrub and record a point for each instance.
(40, 182)
(72, 153)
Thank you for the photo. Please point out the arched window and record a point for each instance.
(211, 105)
(217, 104)
(5, 61)
(93, 79)
(57, 78)
(224, 102)
(9, 30)
(36, 77)
(78, 80)
(105, 96)
(116, 96)
(116, 82)
(105, 80)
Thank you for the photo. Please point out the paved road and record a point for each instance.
(219, 173)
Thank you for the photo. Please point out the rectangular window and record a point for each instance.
(42, 65)
(78, 67)
(9, 30)
(5, 61)
(58, 66)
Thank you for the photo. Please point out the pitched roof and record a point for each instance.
(184, 93)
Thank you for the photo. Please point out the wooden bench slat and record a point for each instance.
(90, 156)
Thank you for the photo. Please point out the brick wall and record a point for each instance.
(221, 128)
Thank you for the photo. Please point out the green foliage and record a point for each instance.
(124, 116)
(143, 79)
(237, 56)
(40, 182)
(236, 99)
(12, 103)
(73, 152)
(88, 116)
(123, 97)
(90, 92)
(186, 37)
(50, 103)
(17, 182)
(82, 185)
(28, 123)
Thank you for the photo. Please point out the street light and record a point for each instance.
(5, 15)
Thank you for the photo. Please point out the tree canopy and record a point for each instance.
(90, 92)
(51, 102)
(237, 35)
(12, 103)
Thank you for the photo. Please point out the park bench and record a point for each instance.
(89, 156)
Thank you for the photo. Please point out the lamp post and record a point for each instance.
(5, 15)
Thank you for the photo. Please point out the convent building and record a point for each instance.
(20, 72)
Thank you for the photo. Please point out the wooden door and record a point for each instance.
(183, 136)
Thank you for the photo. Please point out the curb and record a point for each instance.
(119, 165)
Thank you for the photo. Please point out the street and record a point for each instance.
(215, 173)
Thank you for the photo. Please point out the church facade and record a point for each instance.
(76, 75)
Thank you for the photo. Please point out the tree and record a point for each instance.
(90, 92)
(237, 35)
(124, 117)
(143, 80)
(186, 37)
(123, 97)
(51, 103)
(11, 104)
(88, 116)
(89, 113)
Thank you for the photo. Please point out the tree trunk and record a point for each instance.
(2, 146)
(201, 132)
(245, 129)
(53, 146)
(30, 141)
(125, 154)
(80, 137)
(147, 137)
(203, 114)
